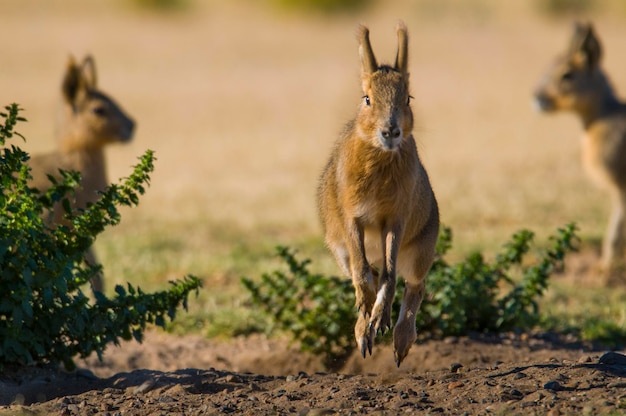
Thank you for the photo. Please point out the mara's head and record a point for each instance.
(385, 115)
(91, 119)
(574, 81)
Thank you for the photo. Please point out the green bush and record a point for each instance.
(318, 311)
(472, 295)
(44, 315)
(475, 295)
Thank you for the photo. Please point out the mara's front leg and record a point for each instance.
(97, 281)
(613, 243)
(364, 286)
(381, 312)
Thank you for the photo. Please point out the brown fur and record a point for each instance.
(376, 205)
(89, 121)
(577, 83)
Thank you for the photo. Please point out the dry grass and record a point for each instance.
(242, 103)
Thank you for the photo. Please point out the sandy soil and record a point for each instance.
(508, 374)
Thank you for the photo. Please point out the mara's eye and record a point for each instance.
(568, 76)
(408, 100)
(99, 111)
(367, 100)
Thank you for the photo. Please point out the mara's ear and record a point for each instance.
(402, 57)
(88, 70)
(71, 81)
(585, 45)
(368, 60)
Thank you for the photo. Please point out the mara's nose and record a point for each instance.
(391, 132)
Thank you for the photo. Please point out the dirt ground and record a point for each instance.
(516, 373)
(240, 70)
(168, 375)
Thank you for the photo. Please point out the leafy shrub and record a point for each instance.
(44, 315)
(319, 311)
(471, 295)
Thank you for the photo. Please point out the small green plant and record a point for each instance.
(316, 310)
(319, 312)
(44, 315)
(472, 294)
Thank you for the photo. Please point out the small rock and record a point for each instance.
(145, 386)
(455, 367)
(613, 358)
(290, 378)
(519, 375)
(553, 385)
(231, 378)
(585, 359)
(455, 385)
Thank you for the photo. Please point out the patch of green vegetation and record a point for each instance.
(471, 295)
(44, 315)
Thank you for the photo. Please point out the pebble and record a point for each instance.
(553, 385)
(613, 358)
(231, 378)
(144, 387)
(455, 385)
(455, 367)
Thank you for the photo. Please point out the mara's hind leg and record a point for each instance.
(352, 260)
(404, 333)
(414, 263)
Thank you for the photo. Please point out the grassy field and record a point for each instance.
(242, 101)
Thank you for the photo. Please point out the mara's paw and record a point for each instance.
(381, 318)
(404, 335)
(364, 334)
(381, 312)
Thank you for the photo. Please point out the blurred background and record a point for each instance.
(243, 99)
